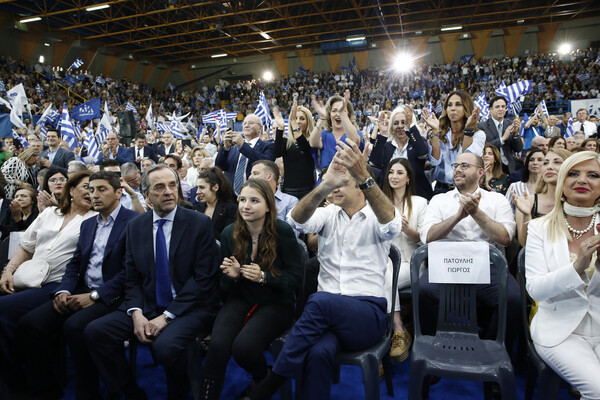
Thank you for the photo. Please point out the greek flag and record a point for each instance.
(92, 146)
(516, 107)
(439, 108)
(541, 88)
(150, 117)
(569, 132)
(179, 110)
(77, 129)
(484, 108)
(21, 139)
(39, 90)
(66, 128)
(174, 127)
(512, 92)
(597, 60)
(77, 63)
(262, 110)
(104, 128)
(543, 108)
(162, 127)
(584, 77)
(130, 107)
(2, 86)
(100, 80)
(210, 118)
(430, 107)
(559, 94)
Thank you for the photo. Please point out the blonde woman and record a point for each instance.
(18, 171)
(295, 151)
(198, 154)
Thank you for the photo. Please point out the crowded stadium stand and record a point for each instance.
(210, 199)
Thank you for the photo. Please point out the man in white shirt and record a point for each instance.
(470, 213)
(349, 309)
(582, 124)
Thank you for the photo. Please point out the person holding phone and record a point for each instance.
(258, 282)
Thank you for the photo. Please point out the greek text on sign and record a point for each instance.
(459, 262)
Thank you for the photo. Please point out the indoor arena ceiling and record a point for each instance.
(187, 30)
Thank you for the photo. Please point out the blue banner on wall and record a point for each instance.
(88, 110)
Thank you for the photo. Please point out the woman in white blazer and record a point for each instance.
(399, 187)
(561, 259)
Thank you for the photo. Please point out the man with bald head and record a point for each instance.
(115, 151)
(540, 142)
(241, 149)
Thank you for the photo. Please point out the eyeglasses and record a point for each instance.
(57, 180)
(463, 166)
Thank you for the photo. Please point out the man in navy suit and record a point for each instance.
(172, 290)
(55, 156)
(240, 152)
(92, 286)
(142, 150)
(169, 144)
(115, 151)
(502, 133)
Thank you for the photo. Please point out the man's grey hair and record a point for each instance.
(128, 169)
(151, 169)
(77, 166)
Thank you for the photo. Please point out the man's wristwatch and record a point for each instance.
(94, 295)
(168, 319)
(469, 132)
(367, 184)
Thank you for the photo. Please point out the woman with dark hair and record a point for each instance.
(494, 179)
(50, 242)
(261, 269)
(399, 187)
(295, 151)
(336, 123)
(403, 141)
(557, 142)
(590, 144)
(454, 133)
(216, 199)
(23, 211)
(51, 190)
(532, 169)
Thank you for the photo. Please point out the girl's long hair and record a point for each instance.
(410, 185)
(267, 241)
(310, 124)
(468, 106)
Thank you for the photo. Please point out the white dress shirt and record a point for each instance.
(47, 242)
(353, 253)
(494, 205)
(588, 127)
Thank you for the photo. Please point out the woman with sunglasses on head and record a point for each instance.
(403, 141)
(261, 269)
(295, 151)
(454, 133)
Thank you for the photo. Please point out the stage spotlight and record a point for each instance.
(404, 62)
(564, 48)
(268, 76)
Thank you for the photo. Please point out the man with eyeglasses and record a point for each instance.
(471, 213)
(238, 152)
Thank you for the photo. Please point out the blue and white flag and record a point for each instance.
(430, 107)
(176, 130)
(130, 107)
(66, 128)
(559, 94)
(304, 71)
(584, 77)
(210, 118)
(104, 128)
(162, 127)
(515, 108)
(87, 110)
(21, 139)
(543, 108)
(2, 86)
(150, 117)
(39, 90)
(92, 146)
(541, 88)
(484, 108)
(415, 94)
(70, 80)
(569, 131)
(77, 63)
(171, 87)
(76, 129)
(597, 60)
(512, 92)
(100, 80)
(262, 110)
(439, 108)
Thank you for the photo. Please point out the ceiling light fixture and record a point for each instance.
(24, 21)
(96, 8)
(218, 55)
(451, 28)
(356, 38)
(266, 36)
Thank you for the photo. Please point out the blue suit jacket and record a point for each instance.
(61, 159)
(193, 264)
(124, 155)
(416, 153)
(113, 266)
(227, 160)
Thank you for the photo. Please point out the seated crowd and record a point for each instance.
(163, 241)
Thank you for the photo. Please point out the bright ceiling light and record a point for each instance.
(218, 55)
(42, 59)
(356, 38)
(268, 76)
(451, 28)
(564, 48)
(404, 62)
(266, 36)
(96, 8)
(24, 21)
(47, 44)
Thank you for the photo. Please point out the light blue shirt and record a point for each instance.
(284, 204)
(126, 201)
(52, 154)
(443, 167)
(167, 229)
(93, 274)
